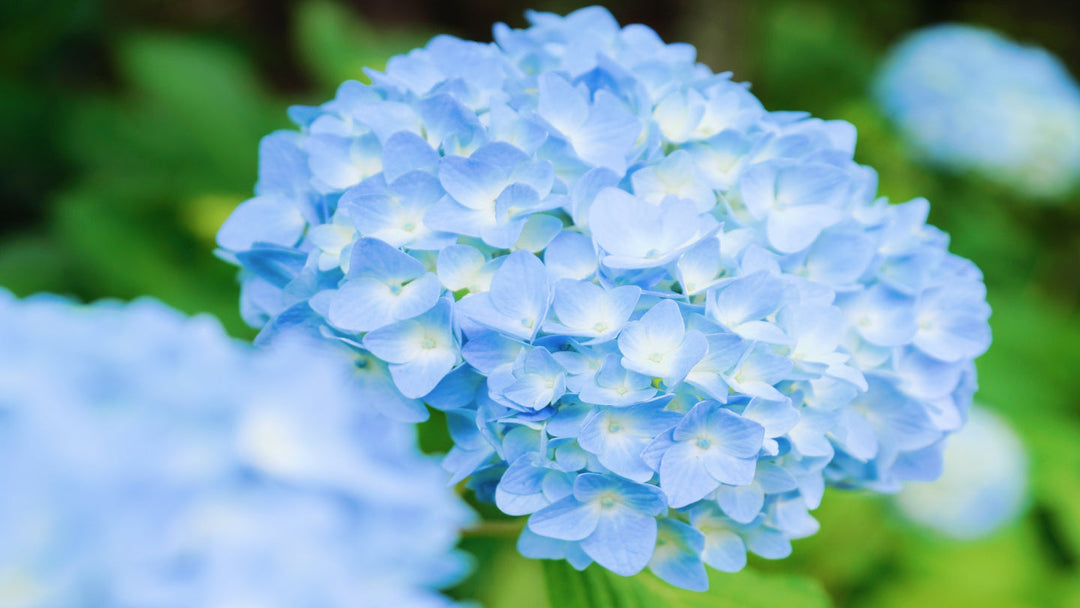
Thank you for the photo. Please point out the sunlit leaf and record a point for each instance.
(598, 588)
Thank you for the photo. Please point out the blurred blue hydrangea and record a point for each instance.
(968, 99)
(659, 318)
(983, 486)
(149, 460)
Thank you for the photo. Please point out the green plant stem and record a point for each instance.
(495, 529)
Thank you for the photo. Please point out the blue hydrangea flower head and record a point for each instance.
(983, 486)
(659, 318)
(968, 99)
(152, 461)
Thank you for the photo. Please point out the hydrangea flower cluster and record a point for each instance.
(983, 486)
(969, 99)
(151, 461)
(659, 318)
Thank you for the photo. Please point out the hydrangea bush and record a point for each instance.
(659, 318)
(151, 461)
(969, 99)
(983, 486)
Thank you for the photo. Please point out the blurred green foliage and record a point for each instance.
(126, 145)
(336, 46)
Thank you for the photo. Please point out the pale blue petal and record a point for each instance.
(608, 135)
(489, 351)
(638, 234)
(417, 297)
(417, 377)
(405, 151)
(645, 498)
(688, 355)
(588, 310)
(855, 435)
(792, 518)
(623, 541)
(774, 479)
(571, 255)
(567, 421)
(560, 104)
(769, 543)
(405, 340)
(448, 215)
(655, 450)
(724, 550)
(377, 388)
(472, 183)
(742, 504)
(521, 441)
(700, 267)
(386, 118)
(447, 121)
(677, 558)
(732, 470)
(457, 390)
(840, 258)
(619, 453)
(534, 546)
(520, 292)
(883, 316)
(272, 263)
(366, 304)
(567, 519)
(283, 169)
(618, 436)
(341, 162)
(538, 232)
(683, 475)
(925, 377)
(796, 228)
(585, 190)
(376, 259)
(748, 298)
(533, 392)
(261, 219)
(362, 305)
(520, 489)
(777, 417)
(458, 266)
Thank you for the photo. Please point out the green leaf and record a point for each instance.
(30, 263)
(856, 544)
(336, 45)
(502, 577)
(126, 255)
(1032, 362)
(948, 573)
(189, 122)
(825, 58)
(597, 588)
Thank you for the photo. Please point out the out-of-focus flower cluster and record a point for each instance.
(968, 99)
(983, 486)
(149, 460)
(659, 318)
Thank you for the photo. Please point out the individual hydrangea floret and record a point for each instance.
(665, 319)
(968, 99)
(983, 486)
(152, 461)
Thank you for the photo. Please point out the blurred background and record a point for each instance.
(130, 129)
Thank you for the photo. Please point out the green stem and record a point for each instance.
(495, 529)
